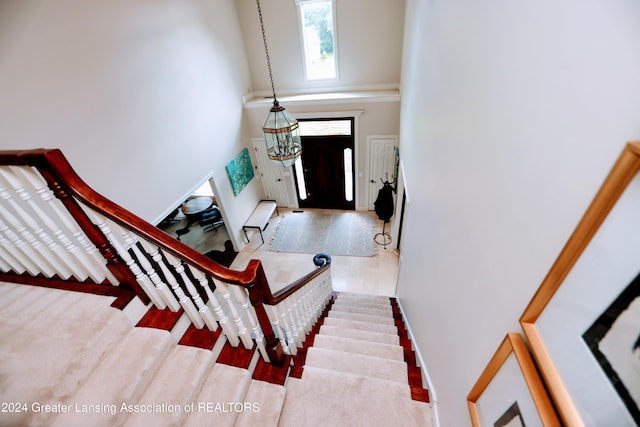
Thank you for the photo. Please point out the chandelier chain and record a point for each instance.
(266, 50)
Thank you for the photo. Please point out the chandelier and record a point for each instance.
(281, 133)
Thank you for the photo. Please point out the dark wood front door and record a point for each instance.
(326, 175)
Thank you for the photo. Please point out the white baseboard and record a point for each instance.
(432, 392)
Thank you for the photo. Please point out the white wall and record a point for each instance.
(512, 115)
(144, 97)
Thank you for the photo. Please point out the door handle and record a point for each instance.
(279, 179)
(373, 181)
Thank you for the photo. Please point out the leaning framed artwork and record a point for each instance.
(583, 323)
(240, 171)
(509, 392)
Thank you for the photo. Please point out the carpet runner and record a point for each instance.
(70, 359)
(355, 373)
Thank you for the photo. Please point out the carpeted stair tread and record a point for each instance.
(348, 345)
(369, 366)
(41, 304)
(367, 298)
(385, 307)
(327, 398)
(176, 383)
(358, 334)
(265, 401)
(362, 310)
(356, 324)
(74, 345)
(371, 304)
(222, 387)
(362, 317)
(10, 292)
(120, 377)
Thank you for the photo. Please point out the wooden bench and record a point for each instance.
(259, 218)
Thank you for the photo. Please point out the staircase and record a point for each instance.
(69, 359)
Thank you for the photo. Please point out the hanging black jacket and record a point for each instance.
(384, 203)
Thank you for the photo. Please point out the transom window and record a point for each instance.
(325, 127)
(317, 27)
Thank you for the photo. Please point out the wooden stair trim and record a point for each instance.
(414, 372)
(238, 357)
(200, 338)
(123, 296)
(271, 373)
(159, 319)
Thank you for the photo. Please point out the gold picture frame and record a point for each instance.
(504, 404)
(593, 274)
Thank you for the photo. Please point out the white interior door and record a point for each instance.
(382, 163)
(271, 174)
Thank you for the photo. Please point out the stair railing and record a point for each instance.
(56, 231)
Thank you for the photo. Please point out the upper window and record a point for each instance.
(317, 26)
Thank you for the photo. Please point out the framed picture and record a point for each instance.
(240, 171)
(510, 393)
(583, 323)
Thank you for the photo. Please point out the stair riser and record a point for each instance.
(361, 335)
(385, 314)
(364, 326)
(384, 351)
(368, 366)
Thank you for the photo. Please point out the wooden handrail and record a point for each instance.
(289, 290)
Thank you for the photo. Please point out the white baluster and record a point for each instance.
(70, 255)
(194, 298)
(328, 286)
(289, 331)
(142, 279)
(162, 287)
(243, 332)
(227, 327)
(91, 259)
(295, 311)
(320, 297)
(3, 265)
(293, 322)
(24, 253)
(204, 310)
(186, 304)
(306, 309)
(12, 262)
(243, 298)
(55, 254)
(201, 278)
(279, 331)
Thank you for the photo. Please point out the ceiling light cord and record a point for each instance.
(266, 51)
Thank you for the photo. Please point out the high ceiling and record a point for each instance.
(369, 37)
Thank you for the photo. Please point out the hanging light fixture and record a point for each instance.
(281, 133)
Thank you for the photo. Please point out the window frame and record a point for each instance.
(307, 79)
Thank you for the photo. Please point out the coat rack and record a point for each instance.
(384, 209)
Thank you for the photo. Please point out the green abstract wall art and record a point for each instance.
(240, 171)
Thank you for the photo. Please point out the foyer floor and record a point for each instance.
(375, 275)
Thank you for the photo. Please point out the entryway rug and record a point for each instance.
(349, 234)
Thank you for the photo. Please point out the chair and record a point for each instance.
(211, 219)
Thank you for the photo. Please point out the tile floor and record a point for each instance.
(370, 275)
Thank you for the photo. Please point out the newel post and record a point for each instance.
(257, 294)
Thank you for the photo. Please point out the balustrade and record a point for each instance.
(54, 227)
